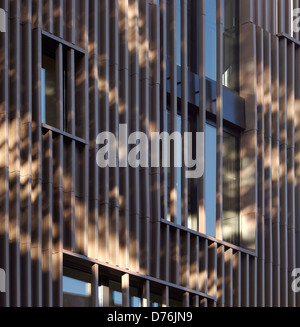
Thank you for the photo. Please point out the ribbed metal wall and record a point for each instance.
(57, 204)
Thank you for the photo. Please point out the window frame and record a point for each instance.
(230, 129)
(236, 133)
(50, 45)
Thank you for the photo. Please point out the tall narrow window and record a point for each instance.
(192, 182)
(231, 194)
(192, 219)
(193, 36)
(211, 40)
(178, 175)
(63, 80)
(231, 189)
(49, 91)
(211, 179)
(231, 44)
(170, 27)
(178, 31)
(115, 294)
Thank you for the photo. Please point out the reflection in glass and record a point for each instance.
(178, 172)
(49, 91)
(211, 40)
(115, 294)
(178, 31)
(155, 300)
(76, 289)
(231, 44)
(210, 179)
(230, 189)
(193, 36)
(170, 30)
(192, 182)
(135, 298)
(230, 39)
(230, 184)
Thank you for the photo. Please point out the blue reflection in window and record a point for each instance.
(211, 40)
(136, 302)
(178, 31)
(75, 286)
(210, 179)
(178, 182)
(178, 173)
(117, 298)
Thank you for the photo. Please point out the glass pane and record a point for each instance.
(231, 45)
(76, 289)
(43, 115)
(135, 297)
(210, 179)
(230, 189)
(136, 302)
(193, 183)
(49, 91)
(211, 39)
(178, 182)
(169, 171)
(193, 36)
(155, 300)
(192, 198)
(178, 172)
(178, 30)
(115, 294)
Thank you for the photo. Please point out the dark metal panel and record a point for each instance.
(233, 104)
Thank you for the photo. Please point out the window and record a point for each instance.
(178, 29)
(192, 183)
(76, 288)
(193, 36)
(155, 300)
(110, 294)
(231, 44)
(230, 40)
(231, 173)
(49, 91)
(178, 175)
(63, 86)
(135, 297)
(193, 195)
(115, 294)
(210, 179)
(231, 170)
(211, 40)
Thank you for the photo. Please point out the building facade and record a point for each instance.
(75, 234)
